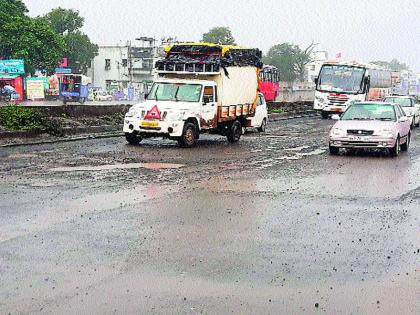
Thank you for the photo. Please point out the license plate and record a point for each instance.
(149, 124)
(354, 138)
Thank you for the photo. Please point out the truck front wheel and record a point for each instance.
(234, 134)
(188, 138)
(133, 139)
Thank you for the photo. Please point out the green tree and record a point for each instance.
(64, 20)
(290, 59)
(219, 35)
(32, 40)
(393, 65)
(80, 50)
(10, 9)
(78, 47)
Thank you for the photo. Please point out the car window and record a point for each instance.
(262, 100)
(399, 111)
(208, 95)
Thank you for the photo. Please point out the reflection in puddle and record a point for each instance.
(88, 168)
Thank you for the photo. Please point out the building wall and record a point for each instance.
(312, 68)
(124, 68)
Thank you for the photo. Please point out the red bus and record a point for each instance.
(269, 82)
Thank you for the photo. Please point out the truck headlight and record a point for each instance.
(177, 116)
(131, 113)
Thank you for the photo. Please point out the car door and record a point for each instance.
(403, 126)
(209, 108)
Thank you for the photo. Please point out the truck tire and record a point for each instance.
(235, 132)
(189, 136)
(132, 138)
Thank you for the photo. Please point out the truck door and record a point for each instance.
(209, 108)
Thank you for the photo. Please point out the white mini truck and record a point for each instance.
(182, 105)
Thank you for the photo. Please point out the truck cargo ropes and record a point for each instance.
(198, 88)
(339, 85)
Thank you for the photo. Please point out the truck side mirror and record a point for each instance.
(316, 80)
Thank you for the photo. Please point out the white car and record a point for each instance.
(410, 107)
(260, 118)
(103, 96)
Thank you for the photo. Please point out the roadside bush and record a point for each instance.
(16, 118)
(277, 110)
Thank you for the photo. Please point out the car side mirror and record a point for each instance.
(403, 119)
(335, 117)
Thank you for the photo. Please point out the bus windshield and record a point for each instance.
(341, 78)
(178, 92)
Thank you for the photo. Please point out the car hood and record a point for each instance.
(364, 124)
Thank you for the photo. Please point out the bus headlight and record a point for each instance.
(320, 99)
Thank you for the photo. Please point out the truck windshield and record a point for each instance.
(341, 78)
(181, 92)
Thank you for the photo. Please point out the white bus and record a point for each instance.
(340, 84)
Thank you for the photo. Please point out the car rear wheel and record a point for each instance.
(263, 126)
(406, 145)
(395, 151)
(334, 150)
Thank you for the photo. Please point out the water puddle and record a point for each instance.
(297, 148)
(110, 167)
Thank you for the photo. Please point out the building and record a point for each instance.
(120, 66)
(312, 68)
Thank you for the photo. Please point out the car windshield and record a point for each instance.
(175, 92)
(340, 78)
(403, 102)
(370, 112)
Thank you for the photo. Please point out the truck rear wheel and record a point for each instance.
(235, 132)
(188, 138)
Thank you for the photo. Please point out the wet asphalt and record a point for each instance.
(270, 225)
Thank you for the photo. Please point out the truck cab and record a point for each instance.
(169, 105)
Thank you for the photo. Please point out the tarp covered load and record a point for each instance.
(202, 57)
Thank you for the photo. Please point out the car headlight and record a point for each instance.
(385, 133)
(338, 132)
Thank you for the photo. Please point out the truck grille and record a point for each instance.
(337, 99)
(360, 132)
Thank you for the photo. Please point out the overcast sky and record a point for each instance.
(363, 30)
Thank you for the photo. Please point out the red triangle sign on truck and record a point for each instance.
(154, 113)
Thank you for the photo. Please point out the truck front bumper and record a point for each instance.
(157, 129)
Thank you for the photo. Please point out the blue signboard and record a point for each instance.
(12, 66)
(63, 70)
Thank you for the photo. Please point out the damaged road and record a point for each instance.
(271, 224)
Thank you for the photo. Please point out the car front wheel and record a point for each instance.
(334, 150)
(405, 146)
(395, 151)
